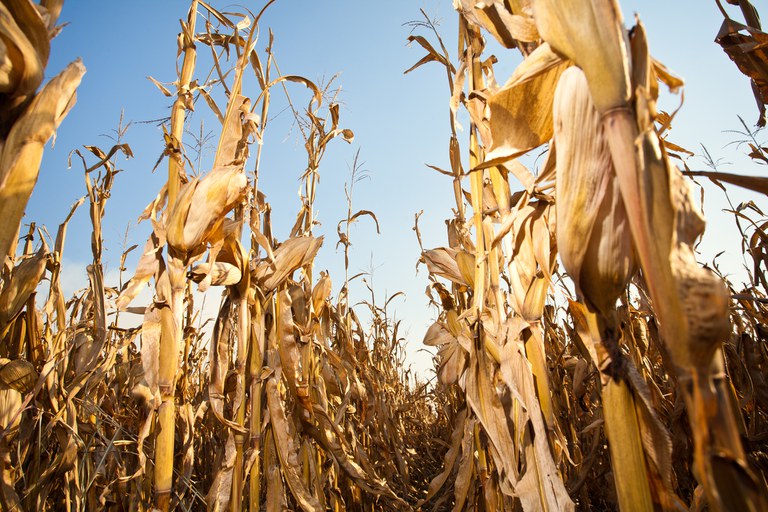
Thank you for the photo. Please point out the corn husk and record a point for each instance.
(589, 204)
(23, 148)
(591, 34)
(201, 206)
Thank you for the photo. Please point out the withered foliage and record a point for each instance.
(287, 402)
(631, 377)
(615, 388)
(745, 43)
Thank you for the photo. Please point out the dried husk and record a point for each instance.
(290, 256)
(23, 149)
(202, 205)
(704, 297)
(320, 293)
(17, 378)
(219, 273)
(25, 46)
(589, 204)
(521, 113)
(591, 34)
(508, 27)
(23, 283)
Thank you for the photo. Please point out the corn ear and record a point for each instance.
(201, 206)
(589, 205)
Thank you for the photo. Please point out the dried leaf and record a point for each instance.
(521, 113)
(23, 149)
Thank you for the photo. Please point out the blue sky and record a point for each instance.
(400, 123)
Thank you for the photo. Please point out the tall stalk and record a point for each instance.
(172, 314)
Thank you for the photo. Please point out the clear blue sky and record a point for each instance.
(400, 123)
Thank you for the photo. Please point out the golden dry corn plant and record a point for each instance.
(629, 378)
(587, 87)
(288, 403)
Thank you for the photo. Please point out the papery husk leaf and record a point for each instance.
(320, 293)
(482, 397)
(201, 207)
(656, 440)
(466, 467)
(583, 169)
(291, 255)
(521, 113)
(86, 355)
(591, 34)
(150, 348)
(25, 33)
(23, 149)
(275, 499)
(231, 146)
(466, 263)
(540, 487)
(187, 424)
(220, 273)
(453, 362)
(651, 213)
(642, 70)
(609, 261)
(148, 266)
(438, 334)
(289, 351)
(23, 283)
(535, 297)
(220, 493)
(535, 351)
(542, 60)
(704, 297)
(442, 262)
(219, 367)
(18, 374)
(10, 408)
(528, 280)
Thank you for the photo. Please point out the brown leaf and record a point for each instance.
(449, 460)
(757, 184)
(287, 450)
(745, 46)
(521, 112)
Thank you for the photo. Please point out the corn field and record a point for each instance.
(585, 360)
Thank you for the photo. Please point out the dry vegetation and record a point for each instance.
(628, 377)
